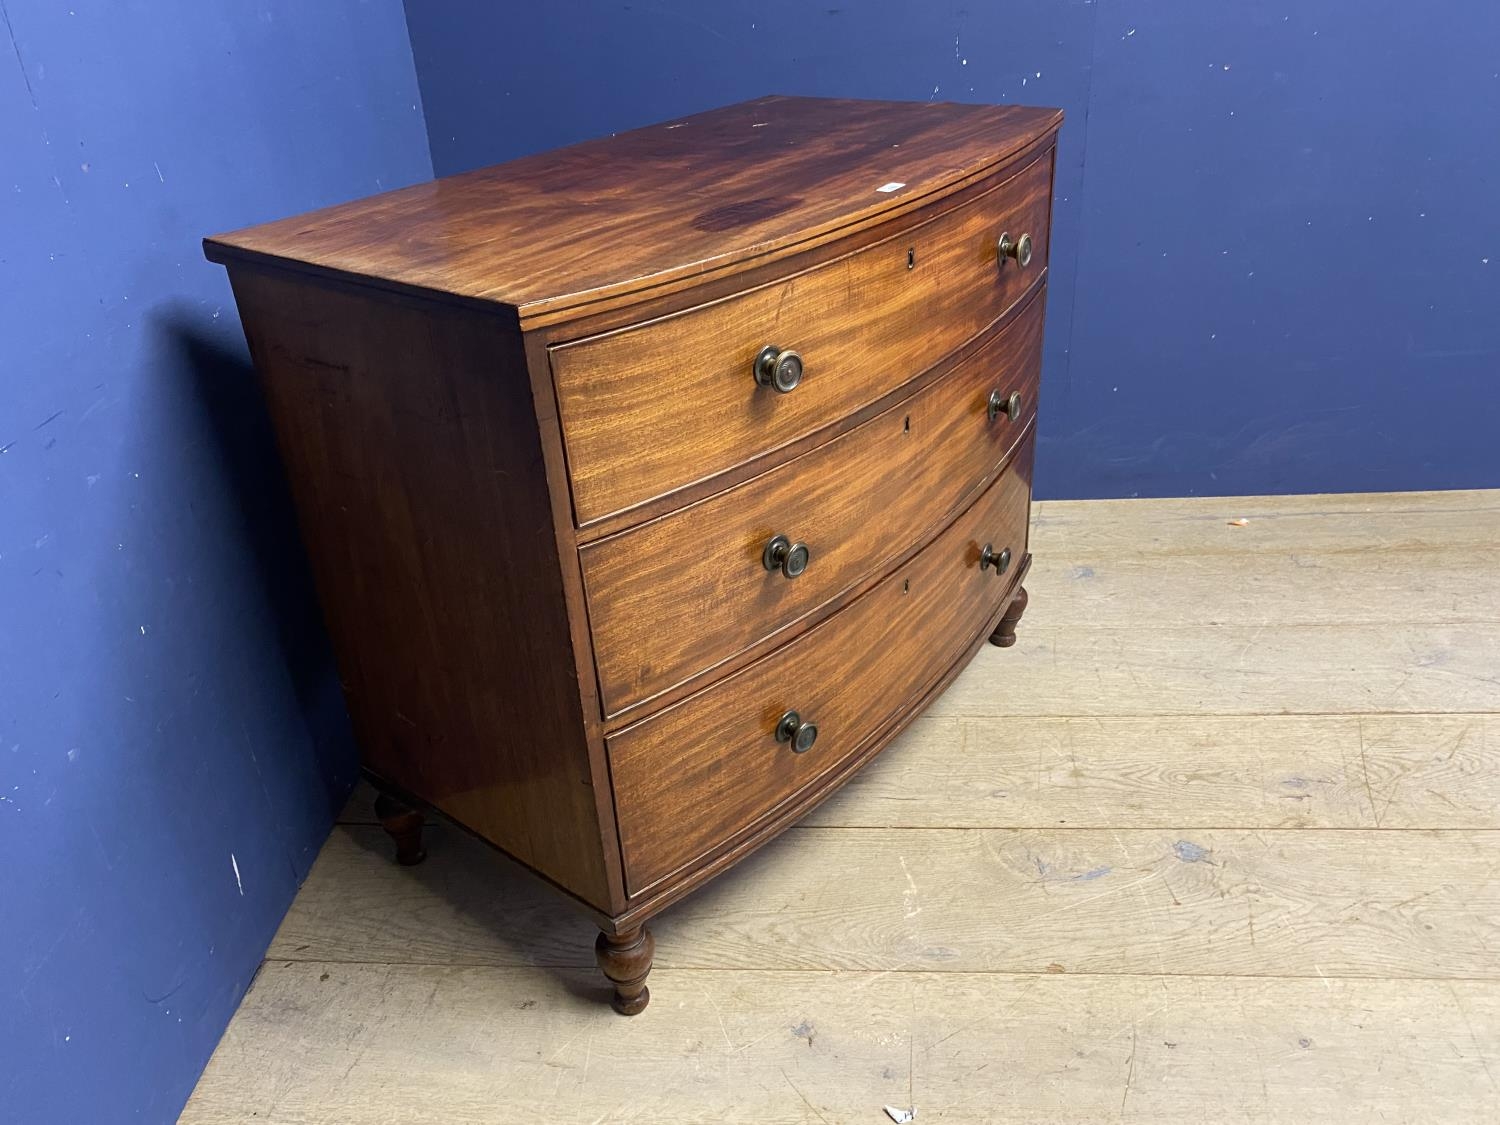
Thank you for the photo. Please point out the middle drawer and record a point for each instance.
(685, 593)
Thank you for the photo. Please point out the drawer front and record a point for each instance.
(857, 503)
(702, 772)
(655, 407)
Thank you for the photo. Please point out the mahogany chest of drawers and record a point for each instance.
(652, 485)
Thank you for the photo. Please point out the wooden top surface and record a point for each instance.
(636, 211)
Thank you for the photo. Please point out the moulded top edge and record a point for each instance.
(633, 212)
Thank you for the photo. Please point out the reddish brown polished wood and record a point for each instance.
(658, 206)
(625, 958)
(411, 448)
(535, 476)
(863, 325)
(713, 760)
(648, 598)
(1005, 633)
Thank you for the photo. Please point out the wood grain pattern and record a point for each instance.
(1238, 669)
(377, 1044)
(1275, 525)
(1212, 771)
(1177, 901)
(437, 360)
(462, 897)
(655, 207)
(1207, 975)
(694, 775)
(792, 810)
(451, 631)
(1202, 771)
(1357, 586)
(649, 595)
(1180, 901)
(648, 410)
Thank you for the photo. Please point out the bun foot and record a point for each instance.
(1005, 633)
(625, 958)
(403, 824)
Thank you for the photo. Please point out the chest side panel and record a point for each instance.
(409, 435)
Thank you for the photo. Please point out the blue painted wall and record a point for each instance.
(1276, 268)
(172, 743)
(1276, 261)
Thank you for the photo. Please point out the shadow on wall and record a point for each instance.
(175, 743)
(221, 383)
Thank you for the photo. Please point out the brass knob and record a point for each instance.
(800, 734)
(1019, 249)
(1009, 405)
(778, 368)
(782, 554)
(988, 557)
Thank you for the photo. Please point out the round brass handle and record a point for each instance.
(1009, 405)
(782, 554)
(792, 728)
(778, 368)
(1019, 249)
(988, 557)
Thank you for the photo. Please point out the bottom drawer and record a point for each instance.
(702, 772)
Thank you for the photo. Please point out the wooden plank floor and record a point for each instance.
(1217, 841)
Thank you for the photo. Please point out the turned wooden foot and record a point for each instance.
(1005, 633)
(625, 959)
(404, 825)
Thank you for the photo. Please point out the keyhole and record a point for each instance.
(906, 425)
(906, 586)
(911, 257)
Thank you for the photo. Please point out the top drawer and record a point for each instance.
(655, 407)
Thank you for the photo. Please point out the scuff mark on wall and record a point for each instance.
(16, 47)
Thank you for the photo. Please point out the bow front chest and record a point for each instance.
(652, 485)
